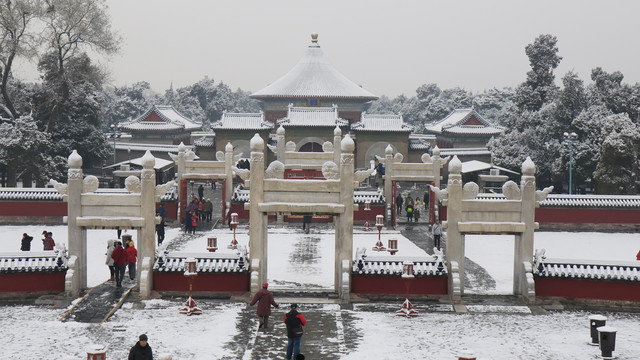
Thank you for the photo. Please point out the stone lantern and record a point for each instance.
(393, 247)
(212, 244)
(190, 271)
(234, 223)
(96, 352)
(379, 224)
(407, 309)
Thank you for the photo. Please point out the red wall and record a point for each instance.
(588, 215)
(38, 282)
(588, 289)
(205, 282)
(396, 285)
(363, 215)
(33, 208)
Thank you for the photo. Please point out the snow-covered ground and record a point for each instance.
(376, 333)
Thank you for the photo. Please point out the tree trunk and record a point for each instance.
(3, 88)
(11, 177)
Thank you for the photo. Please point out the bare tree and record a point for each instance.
(72, 26)
(16, 39)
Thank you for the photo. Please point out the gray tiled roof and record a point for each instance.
(365, 267)
(205, 262)
(31, 261)
(454, 123)
(381, 122)
(172, 121)
(312, 116)
(242, 121)
(314, 76)
(585, 269)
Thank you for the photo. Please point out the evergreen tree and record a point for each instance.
(539, 88)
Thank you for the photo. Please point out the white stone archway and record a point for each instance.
(513, 214)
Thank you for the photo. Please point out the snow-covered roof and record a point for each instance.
(464, 152)
(314, 77)
(616, 201)
(586, 269)
(418, 144)
(374, 267)
(205, 262)
(242, 121)
(312, 116)
(163, 148)
(476, 165)
(161, 118)
(51, 194)
(159, 164)
(30, 194)
(32, 261)
(464, 122)
(381, 122)
(374, 197)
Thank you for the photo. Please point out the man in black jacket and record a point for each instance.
(26, 242)
(141, 350)
(294, 321)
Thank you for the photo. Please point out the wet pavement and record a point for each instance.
(100, 302)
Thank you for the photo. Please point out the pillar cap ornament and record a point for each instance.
(455, 166)
(182, 147)
(280, 130)
(347, 145)
(75, 160)
(148, 161)
(228, 147)
(256, 144)
(528, 167)
(436, 150)
(337, 131)
(388, 150)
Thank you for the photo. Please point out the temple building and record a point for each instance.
(161, 124)
(314, 82)
(463, 128)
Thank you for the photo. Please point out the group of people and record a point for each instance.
(47, 241)
(294, 320)
(197, 210)
(412, 206)
(119, 257)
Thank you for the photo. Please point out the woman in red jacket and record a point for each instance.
(132, 258)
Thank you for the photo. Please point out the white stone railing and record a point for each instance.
(587, 269)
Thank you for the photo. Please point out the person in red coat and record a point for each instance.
(120, 262)
(265, 299)
(132, 259)
(638, 256)
(295, 322)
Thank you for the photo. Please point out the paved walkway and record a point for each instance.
(99, 303)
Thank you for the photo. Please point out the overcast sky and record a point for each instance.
(388, 47)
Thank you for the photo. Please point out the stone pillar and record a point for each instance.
(182, 164)
(258, 228)
(344, 244)
(438, 163)
(337, 138)
(146, 242)
(388, 183)
(455, 240)
(228, 188)
(77, 236)
(280, 144)
(523, 249)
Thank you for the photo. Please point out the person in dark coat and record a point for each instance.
(26, 242)
(201, 192)
(399, 202)
(120, 262)
(265, 299)
(306, 223)
(187, 223)
(162, 211)
(426, 199)
(294, 321)
(160, 231)
(141, 350)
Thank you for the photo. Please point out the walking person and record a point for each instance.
(120, 262)
(399, 202)
(436, 229)
(294, 321)
(208, 210)
(132, 259)
(425, 199)
(48, 243)
(25, 244)
(187, 223)
(306, 223)
(194, 223)
(416, 214)
(141, 350)
(160, 232)
(109, 260)
(409, 210)
(201, 192)
(265, 300)
(162, 211)
(638, 256)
